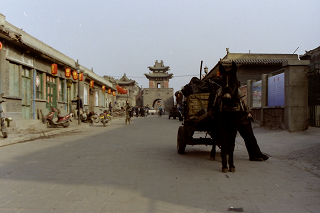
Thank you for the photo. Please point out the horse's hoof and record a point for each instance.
(264, 157)
(212, 158)
(224, 169)
(232, 169)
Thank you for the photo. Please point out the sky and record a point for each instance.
(126, 36)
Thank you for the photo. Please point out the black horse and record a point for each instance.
(225, 107)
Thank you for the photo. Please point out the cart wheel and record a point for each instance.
(181, 140)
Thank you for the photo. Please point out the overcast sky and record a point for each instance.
(126, 36)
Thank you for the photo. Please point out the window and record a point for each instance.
(39, 85)
(96, 99)
(85, 95)
(61, 89)
(102, 102)
(14, 76)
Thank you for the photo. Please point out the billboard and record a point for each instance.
(276, 90)
(256, 94)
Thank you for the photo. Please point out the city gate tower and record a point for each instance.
(158, 92)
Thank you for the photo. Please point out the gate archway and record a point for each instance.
(157, 103)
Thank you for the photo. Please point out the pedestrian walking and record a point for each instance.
(128, 109)
(160, 111)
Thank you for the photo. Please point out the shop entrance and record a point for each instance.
(51, 94)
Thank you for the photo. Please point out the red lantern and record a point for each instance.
(103, 88)
(218, 73)
(91, 84)
(54, 69)
(0, 45)
(109, 91)
(75, 75)
(67, 73)
(80, 76)
(114, 93)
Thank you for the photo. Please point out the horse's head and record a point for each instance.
(228, 92)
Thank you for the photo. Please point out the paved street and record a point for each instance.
(136, 168)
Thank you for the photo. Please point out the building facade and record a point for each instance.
(132, 91)
(275, 88)
(35, 77)
(313, 85)
(252, 65)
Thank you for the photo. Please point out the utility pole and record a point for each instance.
(78, 71)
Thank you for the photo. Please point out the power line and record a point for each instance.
(178, 76)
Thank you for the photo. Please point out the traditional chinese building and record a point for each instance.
(158, 91)
(35, 77)
(130, 91)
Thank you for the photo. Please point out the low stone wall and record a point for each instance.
(273, 117)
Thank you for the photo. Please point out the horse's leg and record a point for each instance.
(224, 150)
(213, 152)
(231, 144)
(232, 168)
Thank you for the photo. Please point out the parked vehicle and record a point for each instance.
(152, 111)
(3, 124)
(174, 113)
(105, 117)
(62, 120)
(89, 117)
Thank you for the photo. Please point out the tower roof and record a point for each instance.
(159, 75)
(124, 80)
(159, 67)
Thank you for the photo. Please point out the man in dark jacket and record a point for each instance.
(246, 132)
(78, 101)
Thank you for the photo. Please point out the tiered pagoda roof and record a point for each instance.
(159, 71)
(124, 80)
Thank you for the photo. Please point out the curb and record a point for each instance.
(14, 140)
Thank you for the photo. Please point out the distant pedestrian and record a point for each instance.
(128, 109)
(110, 108)
(160, 110)
(79, 104)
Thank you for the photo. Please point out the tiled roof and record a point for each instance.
(159, 74)
(253, 61)
(310, 52)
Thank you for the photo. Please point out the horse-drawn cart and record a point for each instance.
(197, 119)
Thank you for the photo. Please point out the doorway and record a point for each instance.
(51, 95)
(26, 94)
